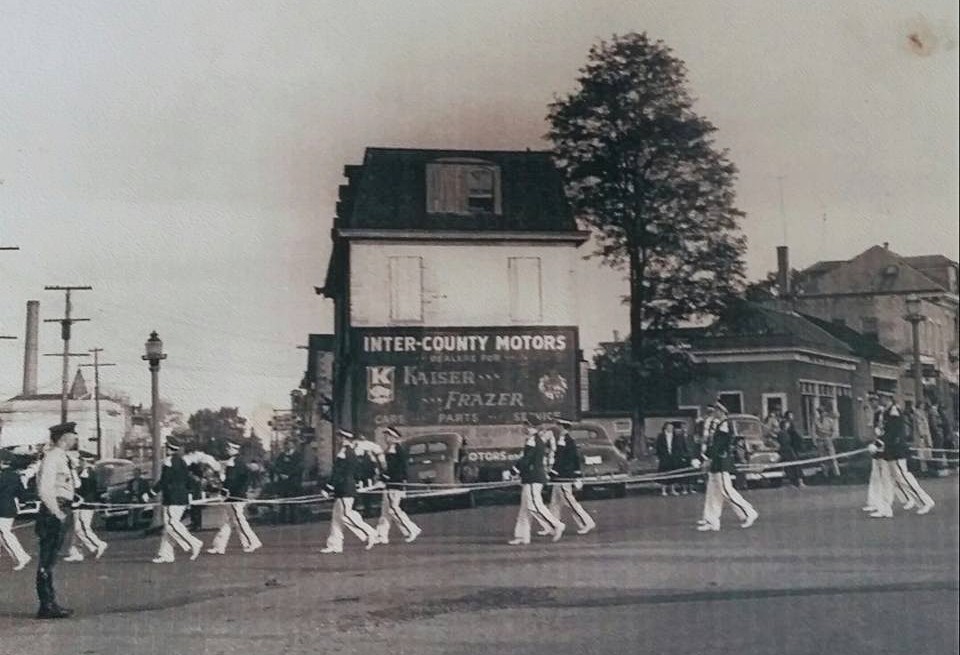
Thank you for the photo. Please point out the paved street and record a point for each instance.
(813, 576)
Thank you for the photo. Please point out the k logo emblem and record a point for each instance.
(380, 384)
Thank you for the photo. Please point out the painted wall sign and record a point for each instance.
(463, 376)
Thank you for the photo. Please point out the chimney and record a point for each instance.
(783, 272)
(886, 245)
(616, 335)
(30, 348)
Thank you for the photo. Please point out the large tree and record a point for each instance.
(209, 430)
(643, 171)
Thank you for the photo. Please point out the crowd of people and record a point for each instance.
(550, 461)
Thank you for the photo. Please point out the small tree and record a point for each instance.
(209, 430)
(642, 170)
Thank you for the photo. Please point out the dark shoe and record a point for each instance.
(54, 613)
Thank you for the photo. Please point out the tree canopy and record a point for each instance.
(209, 430)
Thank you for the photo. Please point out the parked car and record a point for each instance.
(754, 449)
(112, 478)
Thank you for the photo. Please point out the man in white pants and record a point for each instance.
(395, 477)
(722, 464)
(878, 468)
(87, 492)
(174, 484)
(343, 486)
(11, 492)
(533, 475)
(236, 482)
(895, 449)
(566, 470)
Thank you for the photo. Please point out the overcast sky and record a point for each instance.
(183, 157)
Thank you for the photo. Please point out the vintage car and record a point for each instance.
(112, 478)
(754, 450)
(448, 458)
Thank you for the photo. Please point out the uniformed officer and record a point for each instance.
(175, 484)
(531, 467)
(343, 486)
(236, 482)
(87, 492)
(11, 493)
(566, 470)
(55, 486)
(895, 448)
(395, 476)
(721, 462)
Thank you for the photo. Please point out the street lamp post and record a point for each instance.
(916, 317)
(154, 354)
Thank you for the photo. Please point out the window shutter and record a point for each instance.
(526, 301)
(406, 289)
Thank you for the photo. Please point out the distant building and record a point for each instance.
(868, 294)
(453, 278)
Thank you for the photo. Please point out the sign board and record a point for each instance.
(463, 376)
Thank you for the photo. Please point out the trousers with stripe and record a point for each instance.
(561, 495)
(234, 515)
(83, 532)
(720, 489)
(345, 516)
(175, 532)
(878, 471)
(899, 480)
(391, 512)
(9, 541)
(531, 504)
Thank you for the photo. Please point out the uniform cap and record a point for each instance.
(393, 432)
(172, 446)
(346, 434)
(232, 446)
(61, 429)
(564, 423)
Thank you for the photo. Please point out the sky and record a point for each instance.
(183, 158)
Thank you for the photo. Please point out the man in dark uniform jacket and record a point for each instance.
(288, 469)
(175, 485)
(11, 492)
(567, 476)
(533, 475)
(895, 449)
(721, 465)
(236, 482)
(55, 486)
(395, 477)
(343, 486)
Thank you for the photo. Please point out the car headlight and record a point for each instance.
(775, 457)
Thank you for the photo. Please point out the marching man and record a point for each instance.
(11, 492)
(174, 484)
(87, 492)
(343, 486)
(532, 471)
(878, 468)
(236, 482)
(566, 470)
(394, 476)
(719, 481)
(895, 448)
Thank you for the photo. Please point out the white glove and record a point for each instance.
(324, 494)
(578, 484)
(695, 463)
(145, 497)
(872, 448)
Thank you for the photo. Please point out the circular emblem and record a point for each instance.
(553, 386)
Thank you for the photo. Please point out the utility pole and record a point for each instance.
(65, 324)
(96, 395)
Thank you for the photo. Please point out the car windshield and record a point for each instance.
(748, 429)
(422, 448)
(582, 435)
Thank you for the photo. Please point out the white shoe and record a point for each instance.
(702, 522)
(544, 533)
(909, 505)
(750, 521)
(216, 551)
(331, 551)
(195, 552)
(706, 527)
(413, 536)
(372, 541)
(518, 542)
(881, 515)
(925, 509)
(162, 560)
(559, 532)
(22, 563)
(868, 508)
(73, 557)
(250, 549)
(587, 529)
(101, 549)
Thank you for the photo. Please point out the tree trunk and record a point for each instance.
(638, 439)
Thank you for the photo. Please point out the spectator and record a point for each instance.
(671, 455)
(691, 449)
(825, 430)
(289, 471)
(771, 424)
(922, 439)
(938, 436)
(791, 443)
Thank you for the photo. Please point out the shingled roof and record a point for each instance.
(862, 345)
(389, 191)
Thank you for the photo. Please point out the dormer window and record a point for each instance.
(463, 186)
